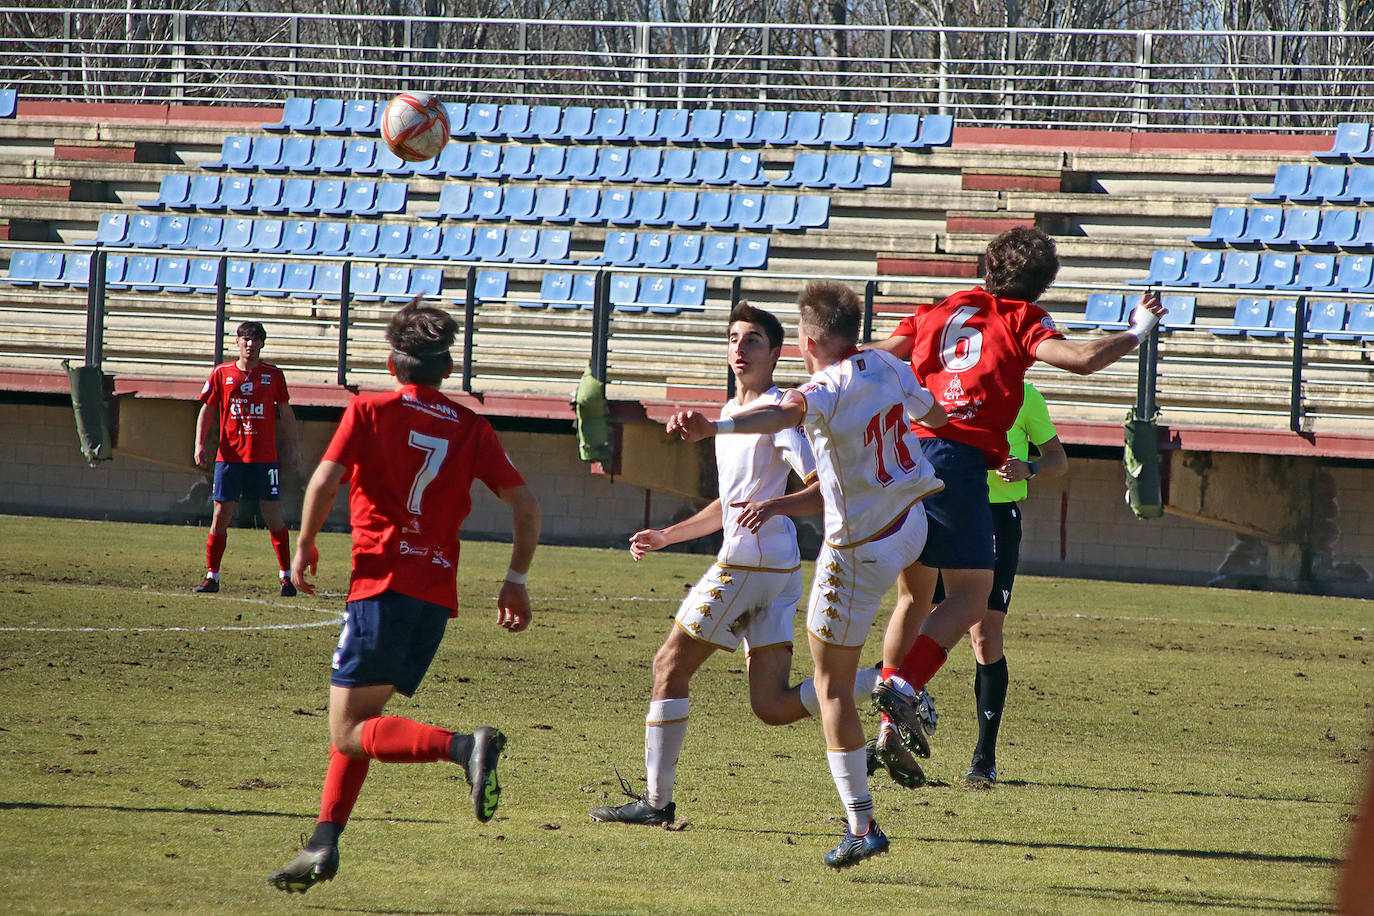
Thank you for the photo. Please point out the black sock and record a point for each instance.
(990, 690)
(460, 748)
(326, 834)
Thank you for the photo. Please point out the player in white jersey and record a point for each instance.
(856, 411)
(752, 591)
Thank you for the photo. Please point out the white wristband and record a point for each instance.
(1143, 321)
(725, 425)
(516, 578)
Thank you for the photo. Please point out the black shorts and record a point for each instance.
(1006, 526)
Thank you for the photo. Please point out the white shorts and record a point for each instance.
(851, 581)
(729, 604)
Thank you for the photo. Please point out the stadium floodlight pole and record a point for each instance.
(736, 286)
(221, 306)
(1295, 383)
(870, 291)
(95, 308)
(469, 320)
(345, 294)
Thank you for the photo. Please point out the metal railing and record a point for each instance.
(1125, 79)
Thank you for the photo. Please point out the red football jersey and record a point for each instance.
(972, 352)
(247, 406)
(412, 456)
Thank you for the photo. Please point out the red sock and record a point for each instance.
(281, 543)
(214, 551)
(342, 783)
(925, 658)
(392, 739)
(887, 672)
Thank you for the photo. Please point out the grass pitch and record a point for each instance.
(1165, 750)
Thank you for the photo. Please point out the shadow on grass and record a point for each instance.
(231, 812)
(468, 911)
(1188, 793)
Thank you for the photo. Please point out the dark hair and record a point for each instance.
(772, 327)
(253, 330)
(1021, 264)
(832, 308)
(420, 337)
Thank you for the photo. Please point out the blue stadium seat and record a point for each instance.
(23, 268)
(1281, 319)
(551, 205)
(489, 244)
(237, 234)
(172, 230)
(1181, 312)
(689, 293)
(1250, 315)
(618, 248)
(718, 252)
(393, 283)
(808, 171)
(328, 281)
(544, 121)
(709, 167)
(608, 125)
(1337, 227)
(363, 239)
(554, 247)
(778, 211)
(646, 208)
(1203, 269)
(1240, 270)
(513, 122)
(392, 240)
(1227, 223)
(391, 198)
(737, 127)
(266, 196)
(295, 115)
(143, 230)
(172, 192)
(1277, 270)
(652, 249)
(519, 204)
(624, 293)
(298, 155)
(1300, 228)
(1289, 182)
(555, 291)
(457, 243)
(1315, 272)
(641, 126)
(455, 202)
(425, 242)
(1355, 274)
(655, 294)
(491, 285)
(457, 118)
(874, 172)
(521, 245)
(298, 280)
(870, 129)
(76, 269)
(295, 197)
(579, 164)
(1328, 181)
(584, 205)
(9, 103)
(331, 238)
(1360, 323)
(583, 291)
(837, 128)
(936, 130)
(362, 282)
(813, 212)
(678, 165)
(746, 211)
(673, 124)
(615, 207)
(360, 158)
(329, 197)
(751, 253)
(680, 209)
(842, 170)
(484, 160)
(903, 131)
(645, 165)
(428, 168)
(705, 126)
(386, 162)
(328, 116)
(803, 128)
(613, 165)
(1326, 318)
(203, 275)
(1363, 239)
(482, 120)
(576, 125)
(236, 153)
(237, 275)
(205, 233)
(1262, 225)
(267, 235)
(298, 236)
(486, 202)
(770, 127)
(236, 194)
(204, 193)
(453, 161)
(745, 168)
(267, 277)
(713, 209)
(549, 162)
(170, 275)
(425, 281)
(1359, 187)
(517, 163)
(140, 273)
(1103, 310)
(113, 229)
(1351, 140)
(265, 155)
(685, 250)
(362, 117)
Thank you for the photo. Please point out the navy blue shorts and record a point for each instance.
(960, 534)
(1006, 524)
(235, 480)
(388, 639)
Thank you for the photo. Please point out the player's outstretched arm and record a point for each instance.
(513, 603)
(702, 523)
(806, 501)
(319, 497)
(692, 425)
(1084, 357)
(899, 346)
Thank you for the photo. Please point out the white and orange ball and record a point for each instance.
(415, 126)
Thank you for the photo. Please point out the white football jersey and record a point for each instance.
(869, 462)
(753, 467)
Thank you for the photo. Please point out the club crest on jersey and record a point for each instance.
(246, 388)
(954, 391)
(265, 380)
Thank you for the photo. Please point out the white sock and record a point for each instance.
(210, 574)
(850, 772)
(864, 682)
(665, 728)
(902, 685)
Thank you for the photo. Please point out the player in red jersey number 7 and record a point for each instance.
(972, 351)
(410, 457)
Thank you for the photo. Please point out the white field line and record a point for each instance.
(334, 615)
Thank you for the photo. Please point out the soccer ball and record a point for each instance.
(415, 126)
